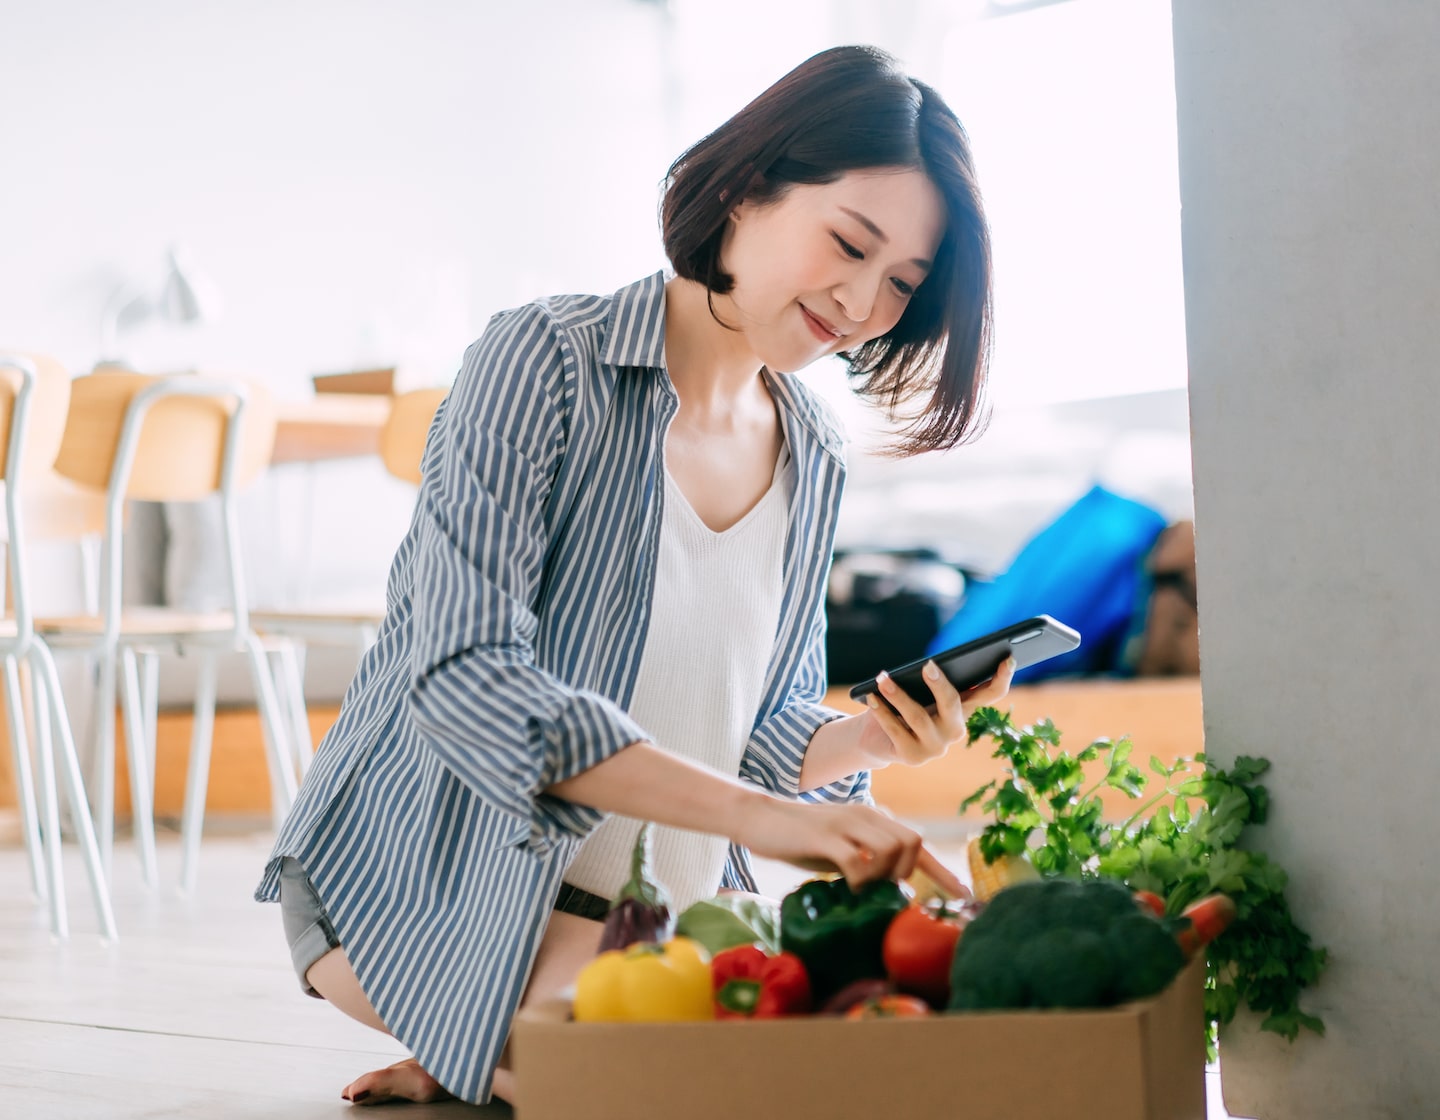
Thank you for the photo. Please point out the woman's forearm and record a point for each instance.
(841, 748)
(648, 783)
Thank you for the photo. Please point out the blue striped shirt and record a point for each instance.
(517, 608)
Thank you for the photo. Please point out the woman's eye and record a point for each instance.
(849, 250)
(903, 288)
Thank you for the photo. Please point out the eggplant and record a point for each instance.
(641, 911)
(857, 991)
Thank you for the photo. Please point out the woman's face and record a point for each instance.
(830, 267)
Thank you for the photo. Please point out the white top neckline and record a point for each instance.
(774, 490)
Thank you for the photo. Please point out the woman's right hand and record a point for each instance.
(861, 842)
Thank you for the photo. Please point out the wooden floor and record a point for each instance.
(195, 1012)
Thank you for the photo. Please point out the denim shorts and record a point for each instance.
(311, 935)
(307, 926)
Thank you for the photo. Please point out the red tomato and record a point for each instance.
(920, 945)
(889, 1007)
(1209, 918)
(1149, 900)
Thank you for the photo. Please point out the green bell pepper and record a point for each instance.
(839, 933)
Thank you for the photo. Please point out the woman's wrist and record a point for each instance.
(844, 747)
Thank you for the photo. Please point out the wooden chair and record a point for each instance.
(402, 445)
(168, 439)
(34, 393)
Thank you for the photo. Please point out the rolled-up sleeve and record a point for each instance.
(507, 729)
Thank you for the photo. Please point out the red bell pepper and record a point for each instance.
(751, 985)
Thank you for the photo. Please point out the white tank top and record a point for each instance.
(713, 626)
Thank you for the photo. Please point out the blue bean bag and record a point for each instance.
(1084, 568)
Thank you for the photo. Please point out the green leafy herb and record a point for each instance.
(1182, 843)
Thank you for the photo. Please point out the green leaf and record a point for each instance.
(1119, 863)
(986, 723)
(1045, 731)
(1226, 819)
(1247, 769)
(1221, 1002)
(975, 797)
(1191, 787)
(1265, 877)
(1010, 799)
(1259, 804)
(1227, 871)
(1289, 1023)
(1127, 779)
(1142, 879)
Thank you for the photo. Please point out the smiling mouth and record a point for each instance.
(819, 327)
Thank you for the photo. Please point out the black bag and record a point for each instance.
(1165, 636)
(883, 608)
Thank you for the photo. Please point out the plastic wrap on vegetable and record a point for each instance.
(729, 920)
(641, 911)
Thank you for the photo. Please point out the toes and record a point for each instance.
(368, 1089)
(405, 1080)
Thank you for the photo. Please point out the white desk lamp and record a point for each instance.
(182, 297)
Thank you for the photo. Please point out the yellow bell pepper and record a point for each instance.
(646, 983)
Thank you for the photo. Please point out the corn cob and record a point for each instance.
(988, 879)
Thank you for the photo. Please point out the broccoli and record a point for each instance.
(1062, 943)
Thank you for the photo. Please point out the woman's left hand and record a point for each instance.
(906, 732)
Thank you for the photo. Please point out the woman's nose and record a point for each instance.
(857, 298)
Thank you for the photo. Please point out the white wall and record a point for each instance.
(361, 181)
(1308, 171)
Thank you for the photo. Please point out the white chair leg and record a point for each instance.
(90, 572)
(46, 675)
(197, 774)
(290, 654)
(277, 751)
(150, 699)
(50, 808)
(105, 758)
(24, 778)
(141, 803)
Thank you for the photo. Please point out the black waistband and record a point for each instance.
(583, 904)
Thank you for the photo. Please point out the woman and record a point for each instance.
(610, 603)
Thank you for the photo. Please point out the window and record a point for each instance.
(1071, 114)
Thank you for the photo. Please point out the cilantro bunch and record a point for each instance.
(1181, 843)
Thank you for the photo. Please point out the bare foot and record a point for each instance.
(404, 1081)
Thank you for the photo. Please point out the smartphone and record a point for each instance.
(965, 666)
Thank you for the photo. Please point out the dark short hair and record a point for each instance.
(852, 109)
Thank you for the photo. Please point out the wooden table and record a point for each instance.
(329, 426)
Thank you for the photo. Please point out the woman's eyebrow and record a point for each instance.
(879, 234)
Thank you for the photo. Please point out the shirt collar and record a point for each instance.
(635, 337)
(635, 327)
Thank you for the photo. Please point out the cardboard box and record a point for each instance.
(1140, 1061)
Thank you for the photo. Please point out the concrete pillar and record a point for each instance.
(1310, 184)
